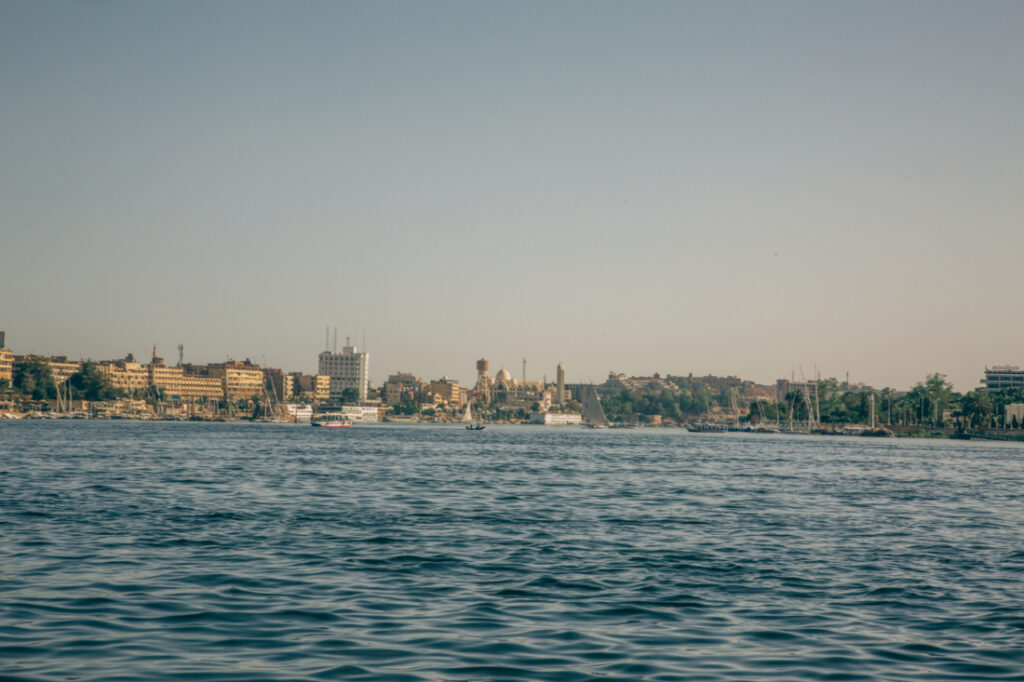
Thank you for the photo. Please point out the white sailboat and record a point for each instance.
(467, 419)
(593, 413)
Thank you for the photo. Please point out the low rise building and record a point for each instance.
(177, 385)
(1014, 415)
(619, 381)
(242, 379)
(316, 388)
(281, 385)
(6, 366)
(399, 385)
(126, 375)
(445, 390)
(61, 368)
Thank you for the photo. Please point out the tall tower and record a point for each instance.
(560, 379)
(483, 387)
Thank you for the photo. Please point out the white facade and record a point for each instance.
(555, 419)
(347, 369)
(361, 413)
(299, 413)
(1003, 377)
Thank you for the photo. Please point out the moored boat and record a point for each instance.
(331, 420)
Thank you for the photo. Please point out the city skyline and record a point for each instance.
(331, 348)
(714, 188)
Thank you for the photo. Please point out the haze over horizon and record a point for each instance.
(748, 189)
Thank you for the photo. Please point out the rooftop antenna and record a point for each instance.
(327, 337)
(335, 339)
(181, 355)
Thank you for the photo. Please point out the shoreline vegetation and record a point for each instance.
(931, 409)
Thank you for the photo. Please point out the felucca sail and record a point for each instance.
(467, 416)
(593, 414)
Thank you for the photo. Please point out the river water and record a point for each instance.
(141, 551)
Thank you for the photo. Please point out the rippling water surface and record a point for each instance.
(251, 552)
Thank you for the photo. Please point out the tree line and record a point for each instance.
(931, 402)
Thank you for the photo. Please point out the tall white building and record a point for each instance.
(347, 369)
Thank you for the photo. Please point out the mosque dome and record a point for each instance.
(503, 376)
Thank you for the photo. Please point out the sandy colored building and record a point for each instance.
(126, 375)
(6, 366)
(445, 390)
(313, 387)
(281, 385)
(242, 380)
(176, 383)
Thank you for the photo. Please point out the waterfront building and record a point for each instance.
(1014, 414)
(242, 380)
(1001, 377)
(347, 369)
(619, 381)
(61, 368)
(126, 375)
(6, 366)
(315, 388)
(177, 385)
(445, 390)
(556, 418)
(560, 383)
(399, 385)
(281, 385)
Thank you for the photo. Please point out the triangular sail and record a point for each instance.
(592, 412)
(467, 416)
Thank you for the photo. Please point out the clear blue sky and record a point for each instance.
(718, 187)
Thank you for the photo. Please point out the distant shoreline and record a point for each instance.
(899, 431)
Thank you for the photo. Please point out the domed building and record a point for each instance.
(506, 390)
(503, 380)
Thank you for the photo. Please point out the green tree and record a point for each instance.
(940, 395)
(977, 408)
(350, 395)
(406, 405)
(33, 377)
(91, 384)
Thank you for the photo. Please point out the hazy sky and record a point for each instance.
(710, 187)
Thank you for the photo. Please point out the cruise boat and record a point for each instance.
(332, 420)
